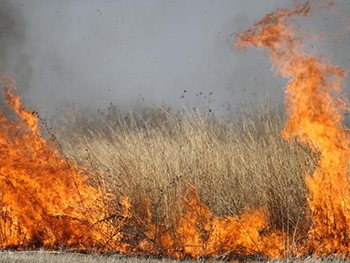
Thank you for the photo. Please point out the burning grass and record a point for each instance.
(234, 166)
(183, 185)
(176, 185)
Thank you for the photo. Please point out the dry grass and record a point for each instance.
(158, 155)
(64, 257)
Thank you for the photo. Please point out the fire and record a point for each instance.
(199, 233)
(315, 106)
(47, 201)
(44, 200)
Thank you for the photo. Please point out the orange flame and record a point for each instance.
(42, 203)
(315, 107)
(45, 202)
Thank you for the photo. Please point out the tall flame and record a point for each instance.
(42, 203)
(315, 107)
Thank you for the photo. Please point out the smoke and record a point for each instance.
(13, 59)
(91, 53)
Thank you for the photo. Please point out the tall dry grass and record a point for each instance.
(157, 155)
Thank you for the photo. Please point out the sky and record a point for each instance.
(89, 53)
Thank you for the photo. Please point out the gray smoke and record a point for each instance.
(13, 59)
(90, 53)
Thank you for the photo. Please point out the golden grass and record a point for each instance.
(158, 155)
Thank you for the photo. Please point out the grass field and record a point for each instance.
(157, 184)
(236, 165)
